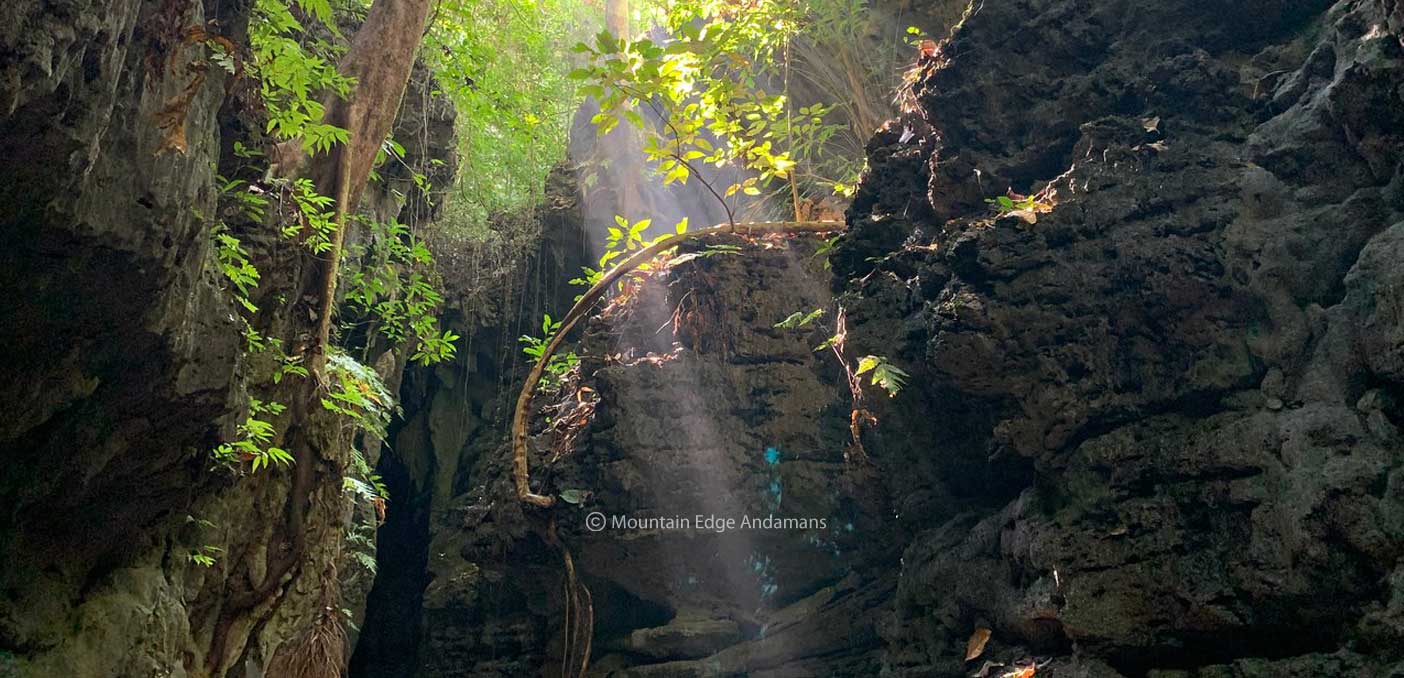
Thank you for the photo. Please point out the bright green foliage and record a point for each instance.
(625, 237)
(357, 393)
(249, 201)
(394, 150)
(707, 88)
(826, 248)
(234, 264)
(799, 319)
(561, 364)
(318, 216)
(622, 238)
(391, 279)
(503, 64)
(286, 364)
(702, 87)
(810, 136)
(1024, 207)
(205, 555)
(435, 346)
(1005, 204)
(293, 68)
(255, 435)
(393, 284)
(363, 481)
(884, 373)
(849, 54)
(359, 537)
(233, 259)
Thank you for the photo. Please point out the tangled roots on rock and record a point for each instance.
(320, 651)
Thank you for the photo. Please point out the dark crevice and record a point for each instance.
(390, 634)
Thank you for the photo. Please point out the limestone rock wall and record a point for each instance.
(124, 362)
(1189, 357)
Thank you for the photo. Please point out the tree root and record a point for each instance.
(293, 532)
(521, 415)
(579, 615)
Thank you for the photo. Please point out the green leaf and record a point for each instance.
(574, 496)
(800, 319)
(679, 173)
(604, 40)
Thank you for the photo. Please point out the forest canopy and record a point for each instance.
(506, 65)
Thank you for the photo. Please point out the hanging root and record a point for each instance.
(579, 615)
(860, 416)
(520, 416)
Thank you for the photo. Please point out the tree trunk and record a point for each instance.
(617, 18)
(380, 59)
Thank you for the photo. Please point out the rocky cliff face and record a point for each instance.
(1193, 355)
(691, 403)
(125, 363)
(121, 352)
(1152, 427)
(455, 417)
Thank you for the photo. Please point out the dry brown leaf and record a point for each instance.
(1028, 216)
(1151, 124)
(976, 645)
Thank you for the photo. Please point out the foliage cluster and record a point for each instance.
(697, 100)
(503, 64)
(394, 285)
(293, 67)
(754, 84)
(293, 46)
(560, 365)
(881, 371)
(255, 439)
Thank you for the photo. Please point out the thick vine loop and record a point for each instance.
(521, 415)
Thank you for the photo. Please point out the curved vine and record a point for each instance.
(521, 415)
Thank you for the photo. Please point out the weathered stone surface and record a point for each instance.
(125, 364)
(1194, 354)
(434, 609)
(684, 637)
